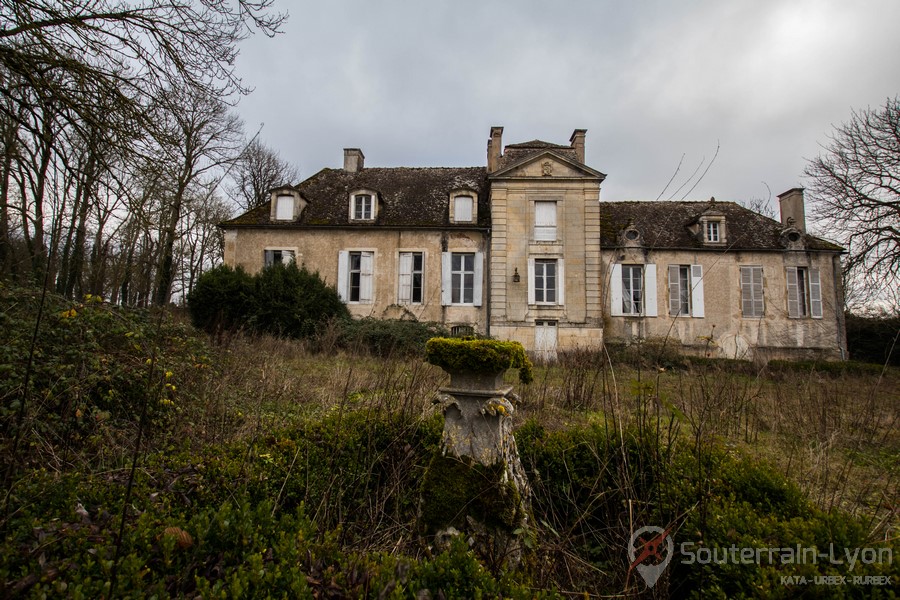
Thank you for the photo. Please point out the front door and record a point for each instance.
(545, 340)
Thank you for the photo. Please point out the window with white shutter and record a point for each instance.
(752, 291)
(545, 221)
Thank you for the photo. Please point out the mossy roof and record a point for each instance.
(668, 225)
(407, 197)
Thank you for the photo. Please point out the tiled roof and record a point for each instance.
(408, 197)
(665, 225)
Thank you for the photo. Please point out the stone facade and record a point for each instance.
(524, 249)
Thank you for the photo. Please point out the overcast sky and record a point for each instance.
(421, 83)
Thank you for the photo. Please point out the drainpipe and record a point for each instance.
(486, 289)
(837, 275)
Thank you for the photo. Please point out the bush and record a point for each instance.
(479, 356)
(282, 300)
(874, 339)
(388, 337)
(221, 300)
(292, 302)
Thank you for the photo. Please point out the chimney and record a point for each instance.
(793, 212)
(577, 141)
(353, 160)
(494, 149)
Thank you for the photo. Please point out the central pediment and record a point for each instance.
(547, 163)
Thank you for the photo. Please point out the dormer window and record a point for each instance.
(363, 206)
(284, 208)
(712, 232)
(462, 207)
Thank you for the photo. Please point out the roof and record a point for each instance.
(665, 225)
(515, 153)
(408, 197)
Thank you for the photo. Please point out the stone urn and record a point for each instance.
(476, 484)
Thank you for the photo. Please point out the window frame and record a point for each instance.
(686, 287)
(546, 230)
(284, 207)
(448, 281)
(749, 288)
(407, 292)
(355, 199)
(617, 298)
(270, 252)
(804, 293)
(366, 272)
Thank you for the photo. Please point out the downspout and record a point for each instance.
(487, 289)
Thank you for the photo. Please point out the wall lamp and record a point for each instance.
(516, 278)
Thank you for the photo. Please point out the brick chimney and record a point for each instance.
(793, 211)
(577, 141)
(353, 160)
(494, 149)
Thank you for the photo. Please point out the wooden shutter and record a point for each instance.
(793, 292)
(697, 307)
(650, 308)
(545, 221)
(366, 276)
(615, 291)
(462, 209)
(284, 208)
(342, 280)
(479, 277)
(815, 294)
(560, 282)
(446, 280)
(531, 294)
(674, 290)
(404, 281)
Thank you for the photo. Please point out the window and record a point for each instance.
(752, 291)
(412, 266)
(363, 207)
(633, 290)
(712, 232)
(686, 290)
(355, 276)
(545, 221)
(462, 209)
(462, 331)
(461, 278)
(278, 257)
(545, 281)
(284, 208)
(804, 293)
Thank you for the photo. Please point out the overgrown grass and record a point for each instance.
(273, 470)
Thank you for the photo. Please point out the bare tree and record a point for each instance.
(855, 186)
(259, 169)
(128, 51)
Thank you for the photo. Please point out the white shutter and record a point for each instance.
(342, 280)
(697, 307)
(650, 308)
(815, 294)
(560, 282)
(747, 291)
(462, 209)
(674, 290)
(530, 280)
(446, 279)
(284, 208)
(545, 221)
(366, 276)
(615, 291)
(793, 292)
(404, 283)
(479, 277)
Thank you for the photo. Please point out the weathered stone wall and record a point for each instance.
(724, 331)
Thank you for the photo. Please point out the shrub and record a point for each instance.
(292, 302)
(874, 339)
(388, 337)
(221, 299)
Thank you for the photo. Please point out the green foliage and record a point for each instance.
(292, 302)
(283, 300)
(388, 337)
(874, 339)
(455, 489)
(479, 356)
(827, 367)
(222, 299)
(95, 366)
